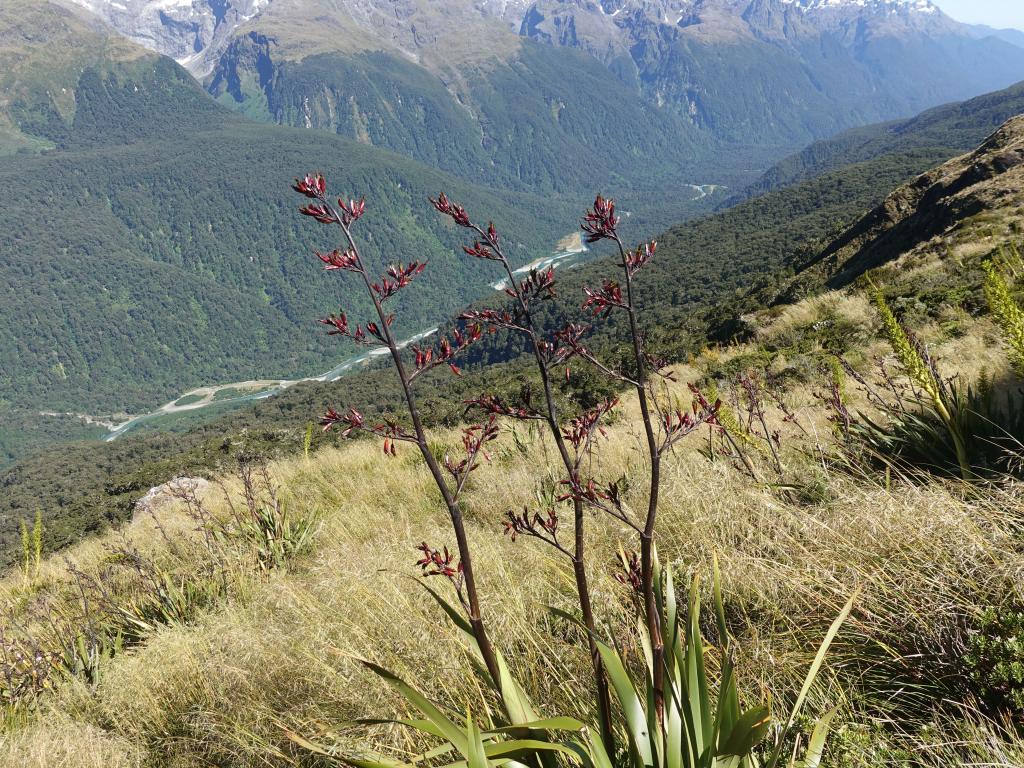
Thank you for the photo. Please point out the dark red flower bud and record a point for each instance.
(600, 221)
(336, 259)
(635, 260)
(604, 300)
(351, 210)
(313, 185)
(448, 208)
(321, 213)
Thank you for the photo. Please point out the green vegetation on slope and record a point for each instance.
(184, 249)
(945, 130)
(542, 120)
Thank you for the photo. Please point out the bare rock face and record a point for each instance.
(194, 32)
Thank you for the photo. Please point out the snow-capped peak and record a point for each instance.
(919, 6)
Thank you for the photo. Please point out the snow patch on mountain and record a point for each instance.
(194, 32)
(921, 6)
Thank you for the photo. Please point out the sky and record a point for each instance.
(995, 13)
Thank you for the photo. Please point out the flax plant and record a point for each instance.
(675, 728)
(1007, 312)
(920, 368)
(378, 333)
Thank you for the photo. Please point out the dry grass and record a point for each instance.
(281, 651)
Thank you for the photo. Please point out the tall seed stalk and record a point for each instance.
(539, 286)
(1007, 312)
(379, 333)
(920, 367)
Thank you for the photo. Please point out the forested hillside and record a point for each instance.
(155, 247)
(948, 129)
(540, 120)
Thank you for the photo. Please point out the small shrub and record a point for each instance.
(995, 658)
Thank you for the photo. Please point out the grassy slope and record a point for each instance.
(278, 651)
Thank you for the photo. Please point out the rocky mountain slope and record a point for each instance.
(189, 31)
(773, 74)
(988, 181)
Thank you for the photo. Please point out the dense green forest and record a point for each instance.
(948, 129)
(544, 120)
(155, 247)
(186, 250)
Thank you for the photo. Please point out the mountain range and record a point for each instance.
(768, 74)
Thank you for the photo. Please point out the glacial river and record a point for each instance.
(221, 394)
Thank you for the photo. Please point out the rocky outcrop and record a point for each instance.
(180, 489)
(193, 32)
(989, 179)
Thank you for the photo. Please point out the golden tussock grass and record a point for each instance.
(280, 651)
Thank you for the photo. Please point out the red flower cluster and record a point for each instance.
(580, 429)
(399, 276)
(495, 405)
(340, 327)
(604, 300)
(347, 260)
(494, 318)
(391, 431)
(312, 186)
(425, 359)
(678, 423)
(630, 575)
(352, 420)
(569, 340)
(600, 221)
(351, 210)
(584, 491)
(532, 525)
(480, 251)
(320, 212)
(635, 260)
(701, 402)
(457, 212)
(474, 439)
(437, 562)
(539, 285)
